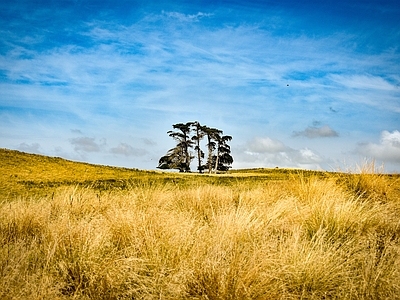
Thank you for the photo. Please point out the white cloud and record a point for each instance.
(128, 150)
(387, 150)
(149, 142)
(86, 144)
(267, 152)
(306, 157)
(317, 132)
(30, 148)
(265, 145)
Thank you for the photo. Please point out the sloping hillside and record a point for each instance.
(23, 172)
(32, 174)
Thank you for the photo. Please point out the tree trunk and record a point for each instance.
(198, 149)
(209, 161)
(217, 159)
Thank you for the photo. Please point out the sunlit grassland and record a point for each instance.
(78, 231)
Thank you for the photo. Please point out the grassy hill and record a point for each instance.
(23, 173)
(72, 230)
(32, 173)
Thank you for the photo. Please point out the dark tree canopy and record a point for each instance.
(223, 158)
(188, 136)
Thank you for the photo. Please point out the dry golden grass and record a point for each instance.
(311, 236)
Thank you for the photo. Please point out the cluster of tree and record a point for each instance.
(188, 137)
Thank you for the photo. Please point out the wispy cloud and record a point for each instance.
(87, 144)
(127, 150)
(30, 148)
(313, 132)
(268, 152)
(76, 131)
(186, 17)
(363, 82)
(260, 145)
(164, 64)
(149, 142)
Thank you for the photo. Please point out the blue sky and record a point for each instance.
(300, 84)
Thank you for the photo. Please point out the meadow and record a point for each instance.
(72, 230)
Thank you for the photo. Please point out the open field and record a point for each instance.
(78, 231)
